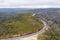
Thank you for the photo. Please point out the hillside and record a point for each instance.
(52, 17)
(19, 25)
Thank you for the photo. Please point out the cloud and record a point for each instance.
(29, 3)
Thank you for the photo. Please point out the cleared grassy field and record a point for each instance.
(20, 25)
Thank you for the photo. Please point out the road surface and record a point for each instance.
(32, 36)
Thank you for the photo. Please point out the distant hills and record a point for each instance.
(28, 9)
(12, 9)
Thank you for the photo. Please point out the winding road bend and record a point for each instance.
(32, 36)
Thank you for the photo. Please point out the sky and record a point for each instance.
(29, 3)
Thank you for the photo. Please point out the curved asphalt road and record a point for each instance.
(32, 36)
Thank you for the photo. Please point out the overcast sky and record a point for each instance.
(29, 3)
